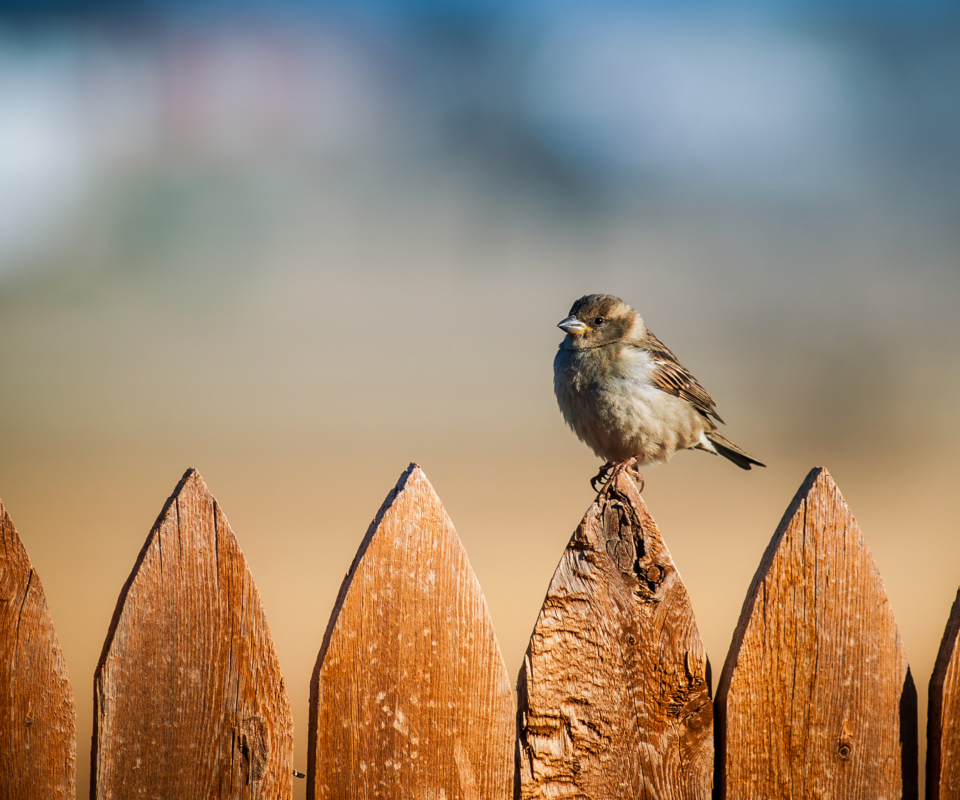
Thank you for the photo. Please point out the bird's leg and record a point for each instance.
(611, 469)
(632, 468)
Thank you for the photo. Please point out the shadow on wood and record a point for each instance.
(614, 690)
(38, 737)
(188, 696)
(816, 697)
(943, 715)
(410, 697)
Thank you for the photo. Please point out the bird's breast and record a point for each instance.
(612, 404)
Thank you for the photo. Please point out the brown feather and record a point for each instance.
(672, 377)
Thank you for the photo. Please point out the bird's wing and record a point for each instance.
(674, 378)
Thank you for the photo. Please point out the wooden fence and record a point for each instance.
(410, 697)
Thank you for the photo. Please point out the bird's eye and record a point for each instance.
(599, 321)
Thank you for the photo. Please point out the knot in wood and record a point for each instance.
(252, 741)
(844, 750)
(651, 579)
(653, 574)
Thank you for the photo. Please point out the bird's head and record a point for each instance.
(599, 319)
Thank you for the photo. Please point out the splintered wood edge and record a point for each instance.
(623, 485)
(935, 743)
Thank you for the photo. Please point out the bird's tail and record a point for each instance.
(728, 449)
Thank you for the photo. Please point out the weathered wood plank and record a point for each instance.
(188, 696)
(614, 692)
(815, 698)
(410, 697)
(943, 715)
(38, 736)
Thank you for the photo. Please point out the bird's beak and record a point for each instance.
(573, 326)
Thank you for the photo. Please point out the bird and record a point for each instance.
(627, 396)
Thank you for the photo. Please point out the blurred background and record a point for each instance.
(299, 245)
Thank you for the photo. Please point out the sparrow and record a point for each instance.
(627, 396)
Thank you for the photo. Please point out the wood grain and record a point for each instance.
(943, 715)
(410, 697)
(189, 701)
(816, 699)
(614, 697)
(38, 737)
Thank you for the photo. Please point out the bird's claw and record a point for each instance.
(598, 481)
(609, 471)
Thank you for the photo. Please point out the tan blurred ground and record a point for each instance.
(301, 365)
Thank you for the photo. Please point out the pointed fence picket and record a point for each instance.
(410, 698)
(614, 697)
(815, 698)
(188, 696)
(38, 743)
